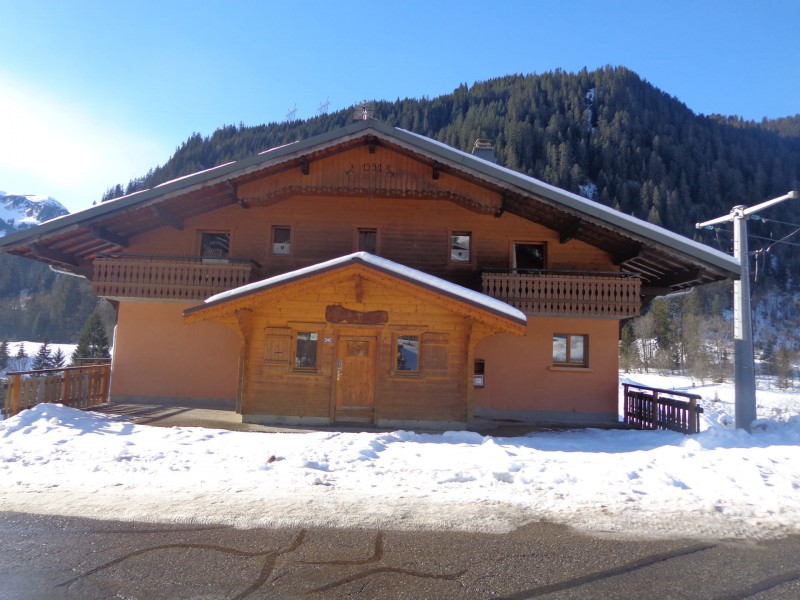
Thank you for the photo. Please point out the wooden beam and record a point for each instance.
(359, 288)
(371, 143)
(304, 165)
(570, 232)
(628, 254)
(168, 218)
(101, 233)
(435, 171)
(54, 255)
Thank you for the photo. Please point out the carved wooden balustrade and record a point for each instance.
(562, 293)
(167, 278)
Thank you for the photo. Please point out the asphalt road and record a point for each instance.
(54, 557)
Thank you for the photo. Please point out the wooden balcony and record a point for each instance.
(167, 278)
(567, 293)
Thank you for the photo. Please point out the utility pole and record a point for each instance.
(744, 361)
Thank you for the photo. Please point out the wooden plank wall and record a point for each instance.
(276, 390)
(326, 208)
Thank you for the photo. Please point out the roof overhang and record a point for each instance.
(665, 261)
(494, 313)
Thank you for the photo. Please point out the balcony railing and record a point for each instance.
(167, 278)
(567, 293)
(78, 387)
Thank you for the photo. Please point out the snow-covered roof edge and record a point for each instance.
(382, 264)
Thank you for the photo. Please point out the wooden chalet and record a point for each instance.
(370, 275)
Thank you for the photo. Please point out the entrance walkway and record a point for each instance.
(167, 415)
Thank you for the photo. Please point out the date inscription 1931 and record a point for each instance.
(371, 167)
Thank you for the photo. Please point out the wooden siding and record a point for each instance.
(437, 391)
(413, 229)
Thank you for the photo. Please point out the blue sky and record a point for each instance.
(95, 93)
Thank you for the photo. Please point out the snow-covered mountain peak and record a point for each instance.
(19, 211)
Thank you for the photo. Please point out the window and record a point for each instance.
(368, 240)
(281, 240)
(528, 257)
(407, 353)
(479, 374)
(460, 246)
(215, 244)
(305, 354)
(570, 350)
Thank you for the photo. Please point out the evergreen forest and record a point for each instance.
(607, 134)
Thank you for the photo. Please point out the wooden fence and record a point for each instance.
(78, 387)
(653, 408)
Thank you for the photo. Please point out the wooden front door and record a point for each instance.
(355, 378)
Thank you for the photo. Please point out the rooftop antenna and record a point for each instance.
(291, 113)
(363, 111)
(323, 107)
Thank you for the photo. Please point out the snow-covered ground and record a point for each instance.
(720, 483)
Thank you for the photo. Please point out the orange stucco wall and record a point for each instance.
(521, 383)
(157, 356)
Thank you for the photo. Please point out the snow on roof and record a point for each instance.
(424, 279)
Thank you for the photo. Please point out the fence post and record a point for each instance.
(14, 388)
(655, 412)
(627, 408)
(694, 417)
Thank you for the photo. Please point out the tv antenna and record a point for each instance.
(291, 113)
(323, 107)
(363, 111)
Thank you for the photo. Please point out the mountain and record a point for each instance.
(19, 211)
(36, 302)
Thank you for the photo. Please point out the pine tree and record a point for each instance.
(629, 356)
(20, 361)
(4, 355)
(43, 359)
(59, 359)
(92, 342)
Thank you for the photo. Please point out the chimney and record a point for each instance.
(484, 149)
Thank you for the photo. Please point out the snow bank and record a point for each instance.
(720, 483)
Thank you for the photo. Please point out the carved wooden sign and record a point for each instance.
(339, 314)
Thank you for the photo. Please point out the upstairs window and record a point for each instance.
(281, 241)
(215, 244)
(570, 350)
(460, 243)
(528, 257)
(368, 240)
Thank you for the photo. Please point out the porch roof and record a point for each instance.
(474, 303)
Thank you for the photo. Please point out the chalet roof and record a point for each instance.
(375, 263)
(665, 261)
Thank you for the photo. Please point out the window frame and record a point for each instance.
(201, 233)
(357, 239)
(568, 363)
(395, 345)
(512, 258)
(470, 252)
(272, 242)
(296, 333)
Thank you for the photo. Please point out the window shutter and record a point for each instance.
(277, 348)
